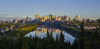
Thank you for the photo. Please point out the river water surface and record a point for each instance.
(42, 32)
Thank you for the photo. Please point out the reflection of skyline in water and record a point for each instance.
(44, 30)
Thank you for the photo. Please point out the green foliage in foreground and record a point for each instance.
(22, 42)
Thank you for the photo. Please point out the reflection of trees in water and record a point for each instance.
(44, 30)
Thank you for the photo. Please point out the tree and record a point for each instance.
(81, 37)
(52, 41)
(39, 44)
(61, 41)
(48, 33)
(99, 23)
(75, 44)
(57, 42)
(25, 44)
(96, 36)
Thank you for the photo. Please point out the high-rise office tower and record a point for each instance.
(66, 18)
(27, 19)
(36, 16)
(45, 17)
(15, 21)
(77, 18)
(52, 16)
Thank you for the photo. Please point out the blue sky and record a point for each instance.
(24, 8)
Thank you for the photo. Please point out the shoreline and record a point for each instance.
(74, 34)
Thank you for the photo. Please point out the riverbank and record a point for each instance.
(25, 29)
(71, 31)
(20, 29)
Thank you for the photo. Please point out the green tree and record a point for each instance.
(81, 37)
(75, 44)
(61, 41)
(39, 44)
(57, 42)
(25, 44)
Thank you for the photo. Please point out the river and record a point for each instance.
(42, 32)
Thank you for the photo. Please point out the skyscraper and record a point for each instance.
(27, 19)
(45, 17)
(36, 16)
(51, 16)
(66, 18)
(77, 18)
(15, 21)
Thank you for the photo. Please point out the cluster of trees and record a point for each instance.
(22, 42)
(89, 39)
(74, 25)
(69, 28)
(23, 29)
(18, 29)
(3, 25)
(78, 23)
(27, 27)
(84, 40)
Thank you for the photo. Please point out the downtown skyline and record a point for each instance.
(28, 8)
